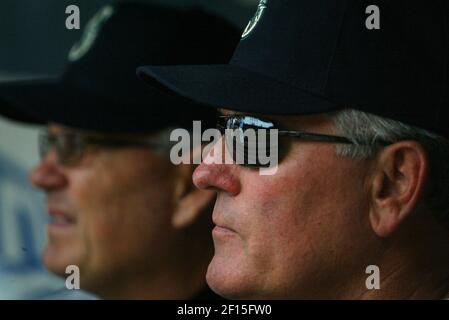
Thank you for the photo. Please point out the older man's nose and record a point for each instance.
(48, 175)
(213, 173)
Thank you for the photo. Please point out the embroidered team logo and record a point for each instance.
(90, 34)
(255, 20)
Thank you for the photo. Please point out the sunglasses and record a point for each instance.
(70, 146)
(248, 138)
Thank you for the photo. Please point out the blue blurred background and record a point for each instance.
(34, 42)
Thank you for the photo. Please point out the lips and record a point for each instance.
(60, 218)
(221, 226)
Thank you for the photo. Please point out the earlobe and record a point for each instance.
(191, 202)
(191, 206)
(384, 220)
(397, 186)
(384, 212)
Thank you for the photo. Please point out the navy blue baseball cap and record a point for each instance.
(385, 57)
(99, 90)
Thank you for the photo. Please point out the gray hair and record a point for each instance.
(366, 131)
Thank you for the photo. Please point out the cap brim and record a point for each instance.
(17, 99)
(45, 100)
(235, 88)
(55, 101)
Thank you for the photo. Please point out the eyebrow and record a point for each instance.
(276, 122)
(226, 112)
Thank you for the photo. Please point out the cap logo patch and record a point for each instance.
(90, 33)
(255, 20)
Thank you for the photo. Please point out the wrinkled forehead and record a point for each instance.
(56, 128)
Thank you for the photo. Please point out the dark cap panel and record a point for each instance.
(99, 89)
(294, 42)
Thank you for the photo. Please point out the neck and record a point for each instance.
(414, 265)
(181, 278)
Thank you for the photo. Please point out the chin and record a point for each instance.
(229, 280)
(56, 260)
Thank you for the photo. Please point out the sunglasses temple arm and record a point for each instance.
(315, 137)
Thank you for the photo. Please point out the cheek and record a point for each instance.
(298, 214)
(315, 184)
(90, 192)
(286, 200)
(114, 205)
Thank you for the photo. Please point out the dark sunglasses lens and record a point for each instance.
(44, 145)
(247, 139)
(222, 124)
(69, 148)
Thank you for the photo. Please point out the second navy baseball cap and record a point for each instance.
(99, 90)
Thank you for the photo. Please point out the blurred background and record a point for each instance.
(34, 42)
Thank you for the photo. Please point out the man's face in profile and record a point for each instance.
(110, 212)
(292, 233)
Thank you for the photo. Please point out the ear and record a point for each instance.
(192, 202)
(397, 185)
